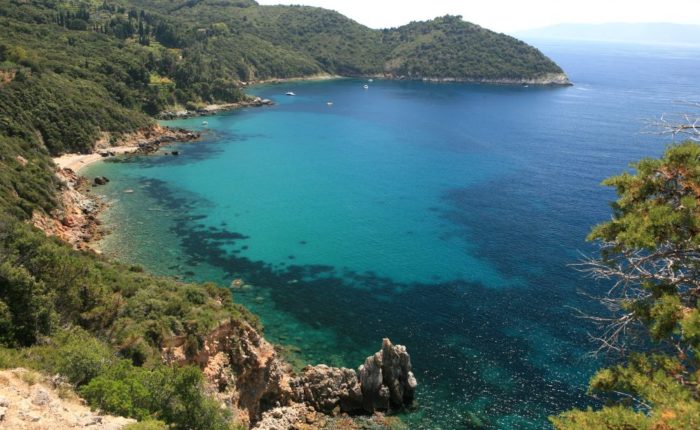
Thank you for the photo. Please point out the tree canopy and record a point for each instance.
(650, 249)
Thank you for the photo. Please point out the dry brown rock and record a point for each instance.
(40, 407)
(242, 366)
(76, 221)
(283, 418)
(387, 379)
(328, 388)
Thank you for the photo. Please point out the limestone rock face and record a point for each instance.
(243, 368)
(384, 382)
(76, 223)
(327, 388)
(40, 405)
(386, 379)
(247, 375)
(285, 417)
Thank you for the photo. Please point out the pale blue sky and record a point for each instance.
(510, 15)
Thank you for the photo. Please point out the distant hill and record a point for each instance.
(443, 48)
(449, 48)
(106, 63)
(645, 33)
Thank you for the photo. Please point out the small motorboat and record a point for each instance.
(370, 80)
(205, 123)
(329, 103)
(289, 93)
(365, 86)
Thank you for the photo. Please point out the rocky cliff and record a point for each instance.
(247, 374)
(76, 221)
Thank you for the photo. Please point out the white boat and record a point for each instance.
(205, 123)
(290, 93)
(370, 80)
(366, 86)
(329, 103)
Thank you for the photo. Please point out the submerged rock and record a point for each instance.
(100, 180)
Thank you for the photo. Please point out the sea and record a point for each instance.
(448, 218)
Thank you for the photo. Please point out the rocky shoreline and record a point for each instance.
(550, 79)
(77, 219)
(214, 108)
(248, 375)
(77, 222)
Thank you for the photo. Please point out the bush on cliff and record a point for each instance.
(45, 285)
(174, 395)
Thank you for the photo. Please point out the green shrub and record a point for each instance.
(147, 425)
(82, 357)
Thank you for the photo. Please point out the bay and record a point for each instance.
(442, 216)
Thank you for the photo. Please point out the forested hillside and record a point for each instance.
(73, 68)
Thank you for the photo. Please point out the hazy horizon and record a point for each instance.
(647, 33)
(519, 16)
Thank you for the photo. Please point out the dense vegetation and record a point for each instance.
(445, 47)
(101, 326)
(155, 395)
(650, 249)
(427, 49)
(71, 69)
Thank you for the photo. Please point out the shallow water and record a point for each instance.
(443, 216)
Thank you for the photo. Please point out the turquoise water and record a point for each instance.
(441, 216)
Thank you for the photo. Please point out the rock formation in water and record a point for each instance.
(328, 389)
(384, 382)
(386, 379)
(250, 378)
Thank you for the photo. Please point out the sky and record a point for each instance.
(509, 16)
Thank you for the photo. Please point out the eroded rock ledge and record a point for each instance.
(75, 222)
(246, 373)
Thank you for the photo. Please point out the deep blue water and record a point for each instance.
(443, 216)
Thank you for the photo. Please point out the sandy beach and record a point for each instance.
(75, 162)
(145, 140)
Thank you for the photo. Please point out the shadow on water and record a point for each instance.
(496, 354)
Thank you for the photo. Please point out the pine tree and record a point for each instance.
(651, 250)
